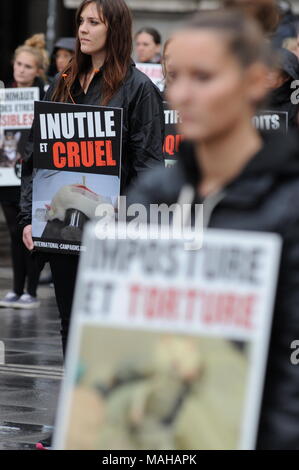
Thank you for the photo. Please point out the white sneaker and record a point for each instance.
(27, 301)
(9, 300)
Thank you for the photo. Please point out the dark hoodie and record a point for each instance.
(68, 44)
(263, 197)
(280, 98)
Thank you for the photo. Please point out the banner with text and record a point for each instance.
(271, 121)
(77, 158)
(16, 117)
(154, 72)
(168, 347)
(173, 137)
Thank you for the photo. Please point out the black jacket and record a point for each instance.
(264, 197)
(279, 99)
(142, 136)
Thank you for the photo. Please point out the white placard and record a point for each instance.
(154, 72)
(16, 117)
(154, 323)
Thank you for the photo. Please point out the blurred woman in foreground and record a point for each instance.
(216, 77)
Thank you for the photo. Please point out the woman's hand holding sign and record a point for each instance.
(27, 237)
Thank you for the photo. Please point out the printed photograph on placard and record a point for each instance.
(156, 391)
(61, 199)
(77, 165)
(168, 362)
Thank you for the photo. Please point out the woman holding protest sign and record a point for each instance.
(218, 75)
(101, 73)
(29, 66)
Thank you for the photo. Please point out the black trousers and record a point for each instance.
(23, 263)
(64, 272)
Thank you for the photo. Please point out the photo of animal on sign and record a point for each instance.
(77, 167)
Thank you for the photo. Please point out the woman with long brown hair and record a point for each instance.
(101, 73)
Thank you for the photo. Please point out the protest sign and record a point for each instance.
(271, 121)
(173, 137)
(168, 347)
(154, 72)
(77, 158)
(16, 117)
(264, 121)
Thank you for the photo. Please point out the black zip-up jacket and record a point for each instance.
(264, 197)
(142, 133)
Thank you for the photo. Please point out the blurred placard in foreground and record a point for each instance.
(168, 346)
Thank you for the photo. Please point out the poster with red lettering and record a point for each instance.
(154, 72)
(77, 161)
(173, 137)
(168, 346)
(16, 117)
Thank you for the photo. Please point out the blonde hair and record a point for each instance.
(36, 46)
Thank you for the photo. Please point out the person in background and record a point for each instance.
(101, 73)
(148, 46)
(30, 63)
(287, 26)
(246, 180)
(63, 52)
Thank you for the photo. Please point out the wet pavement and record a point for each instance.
(31, 375)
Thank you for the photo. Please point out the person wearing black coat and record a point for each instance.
(100, 73)
(245, 181)
(142, 140)
(261, 198)
(64, 49)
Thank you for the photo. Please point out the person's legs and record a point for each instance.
(33, 273)
(17, 247)
(64, 271)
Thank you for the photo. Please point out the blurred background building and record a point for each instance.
(21, 19)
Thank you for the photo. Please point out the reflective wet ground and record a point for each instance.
(31, 374)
